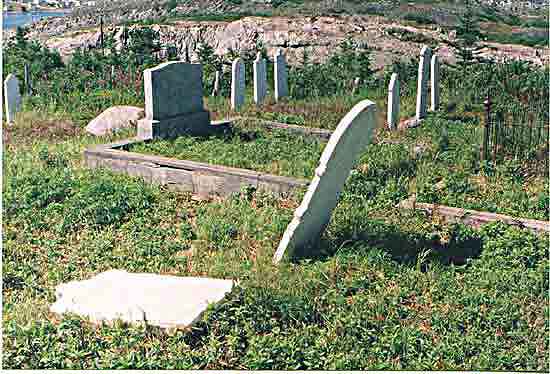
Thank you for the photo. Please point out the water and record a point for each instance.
(10, 20)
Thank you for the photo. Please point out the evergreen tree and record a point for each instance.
(468, 33)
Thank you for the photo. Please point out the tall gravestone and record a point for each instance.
(173, 102)
(393, 101)
(280, 75)
(216, 88)
(310, 219)
(260, 79)
(422, 87)
(435, 83)
(237, 84)
(12, 97)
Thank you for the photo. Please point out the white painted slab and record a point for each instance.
(237, 84)
(280, 75)
(345, 145)
(393, 102)
(422, 84)
(260, 79)
(435, 83)
(159, 300)
(12, 97)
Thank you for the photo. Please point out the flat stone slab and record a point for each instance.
(115, 118)
(165, 301)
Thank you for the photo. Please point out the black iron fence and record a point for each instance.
(516, 130)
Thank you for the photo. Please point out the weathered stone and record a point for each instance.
(260, 79)
(422, 87)
(393, 101)
(173, 101)
(173, 88)
(159, 300)
(237, 83)
(216, 88)
(353, 133)
(12, 97)
(280, 75)
(115, 118)
(435, 83)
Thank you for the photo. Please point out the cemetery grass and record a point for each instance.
(249, 146)
(392, 290)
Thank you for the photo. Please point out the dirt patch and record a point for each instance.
(54, 131)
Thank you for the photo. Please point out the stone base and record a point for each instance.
(194, 124)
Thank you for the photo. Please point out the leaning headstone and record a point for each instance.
(310, 219)
(237, 84)
(260, 79)
(216, 88)
(115, 118)
(422, 87)
(165, 301)
(435, 83)
(281, 75)
(173, 101)
(393, 101)
(12, 97)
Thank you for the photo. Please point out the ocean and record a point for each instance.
(11, 20)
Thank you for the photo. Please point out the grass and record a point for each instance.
(392, 289)
(249, 146)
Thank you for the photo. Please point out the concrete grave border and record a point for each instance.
(201, 178)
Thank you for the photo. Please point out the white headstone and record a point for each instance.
(310, 219)
(216, 89)
(173, 101)
(237, 84)
(393, 101)
(260, 79)
(280, 75)
(12, 97)
(422, 87)
(435, 83)
(165, 301)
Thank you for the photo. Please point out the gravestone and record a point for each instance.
(216, 88)
(393, 101)
(435, 83)
(173, 102)
(237, 84)
(260, 79)
(422, 87)
(165, 301)
(28, 83)
(310, 219)
(12, 97)
(281, 75)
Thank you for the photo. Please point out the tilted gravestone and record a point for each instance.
(12, 97)
(435, 83)
(281, 75)
(310, 219)
(422, 88)
(260, 79)
(237, 84)
(393, 101)
(173, 102)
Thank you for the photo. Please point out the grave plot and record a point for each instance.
(249, 145)
(174, 109)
